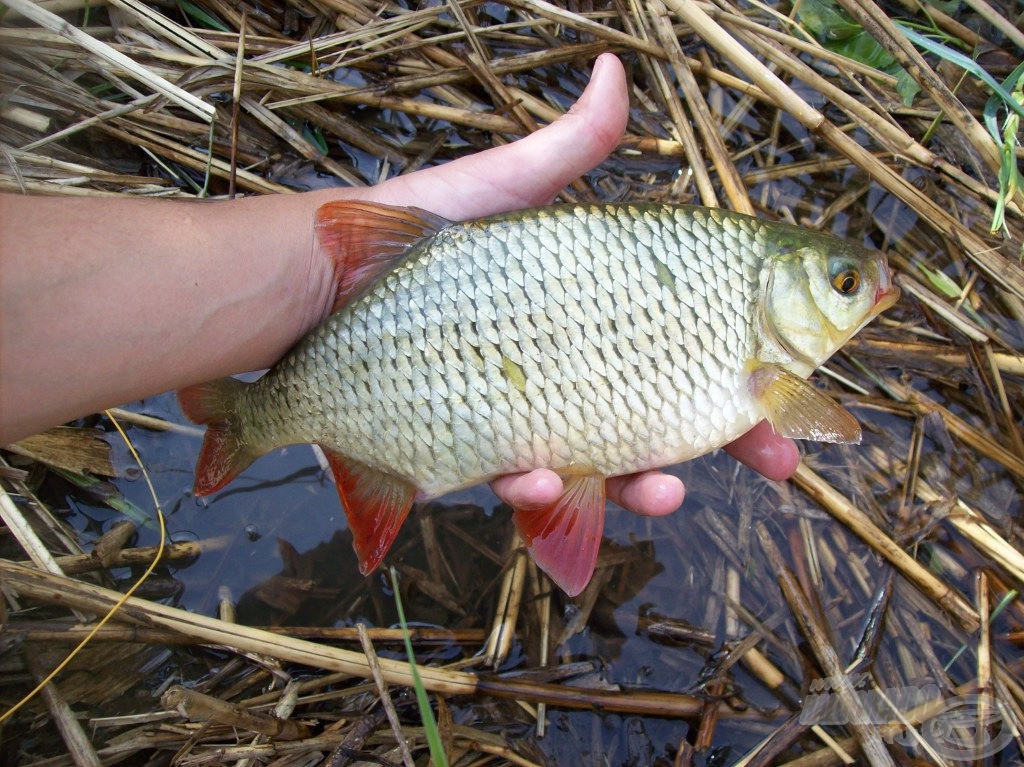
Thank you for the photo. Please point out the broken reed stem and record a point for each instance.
(510, 598)
(52, 589)
(830, 499)
(384, 694)
(77, 742)
(75, 564)
(867, 734)
(978, 531)
(958, 427)
(777, 91)
(917, 715)
(1000, 22)
(65, 633)
(197, 707)
(26, 536)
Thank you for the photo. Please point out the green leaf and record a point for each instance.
(826, 21)
(941, 282)
(949, 7)
(839, 33)
(315, 136)
(200, 16)
(907, 87)
(862, 47)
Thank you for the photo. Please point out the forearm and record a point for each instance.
(103, 301)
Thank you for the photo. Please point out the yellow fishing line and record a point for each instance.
(149, 570)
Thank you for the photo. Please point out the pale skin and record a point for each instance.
(108, 300)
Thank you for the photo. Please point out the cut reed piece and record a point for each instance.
(196, 707)
(74, 564)
(110, 545)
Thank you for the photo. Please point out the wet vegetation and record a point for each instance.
(766, 623)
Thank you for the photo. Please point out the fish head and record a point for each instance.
(819, 291)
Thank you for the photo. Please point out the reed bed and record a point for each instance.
(762, 625)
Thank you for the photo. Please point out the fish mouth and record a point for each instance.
(887, 292)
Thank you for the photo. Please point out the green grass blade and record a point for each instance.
(964, 62)
(991, 112)
(437, 754)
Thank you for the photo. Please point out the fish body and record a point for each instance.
(594, 340)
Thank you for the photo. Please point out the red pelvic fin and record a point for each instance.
(224, 453)
(365, 239)
(376, 505)
(565, 536)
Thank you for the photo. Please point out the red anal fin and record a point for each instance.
(376, 505)
(366, 239)
(565, 536)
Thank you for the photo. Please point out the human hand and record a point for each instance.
(531, 172)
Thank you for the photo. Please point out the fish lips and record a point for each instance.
(887, 292)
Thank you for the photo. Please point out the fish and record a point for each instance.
(595, 340)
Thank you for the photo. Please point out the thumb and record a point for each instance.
(530, 171)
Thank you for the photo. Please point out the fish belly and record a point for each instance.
(587, 340)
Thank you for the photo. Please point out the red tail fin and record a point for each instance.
(224, 453)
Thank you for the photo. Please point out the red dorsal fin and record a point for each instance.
(565, 536)
(224, 452)
(376, 505)
(366, 239)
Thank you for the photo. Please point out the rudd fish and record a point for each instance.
(594, 340)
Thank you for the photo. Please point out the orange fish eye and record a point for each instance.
(846, 281)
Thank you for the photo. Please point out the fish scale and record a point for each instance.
(594, 340)
(392, 383)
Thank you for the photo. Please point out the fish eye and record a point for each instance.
(845, 279)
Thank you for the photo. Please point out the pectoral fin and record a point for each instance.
(563, 538)
(797, 409)
(376, 504)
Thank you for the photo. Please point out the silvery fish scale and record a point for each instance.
(598, 339)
